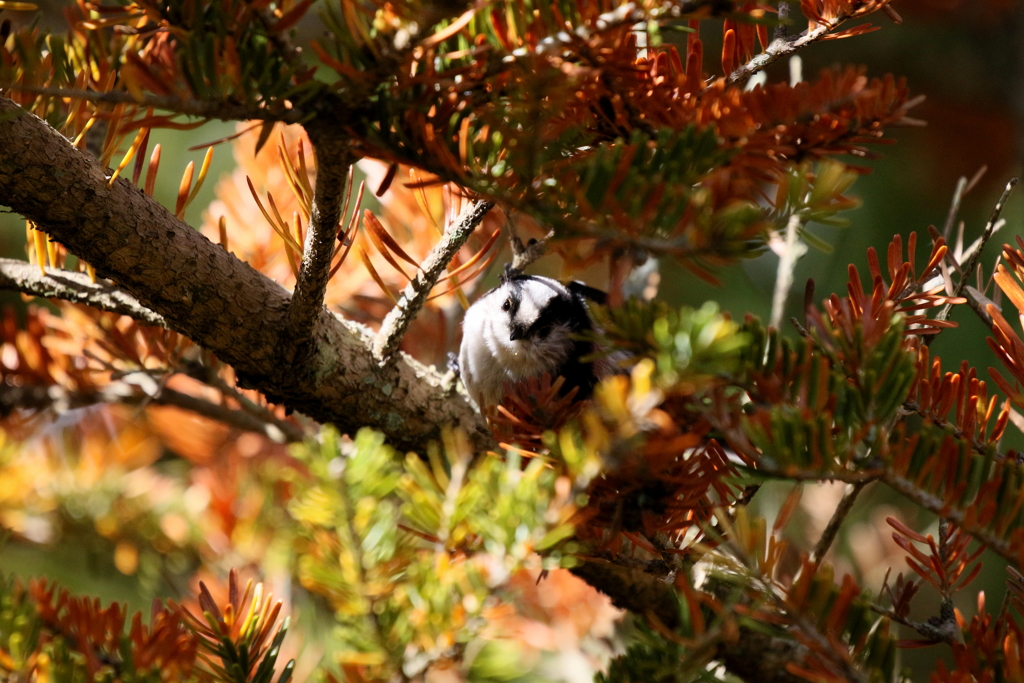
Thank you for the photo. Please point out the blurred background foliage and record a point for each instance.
(966, 57)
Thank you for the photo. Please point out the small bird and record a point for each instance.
(524, 327)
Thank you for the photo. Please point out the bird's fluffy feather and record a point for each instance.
(524, 328)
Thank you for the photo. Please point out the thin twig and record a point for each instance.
(333, 160)
(847, 476)
(954, 207)
(524, 254)
(941, 634)
(415, 294)
(929, 501)
(209, 375)
(76, 288)
(225, 111)
(791, 251)
(838, 517)
(782, 28)
(972, 263)
(979, 447)
(781, 46)
(130, 392)
(978, 302)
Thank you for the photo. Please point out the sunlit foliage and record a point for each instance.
(603, 130)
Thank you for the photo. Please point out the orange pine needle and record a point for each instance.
(458, 286)
(384, 243)
(388, 178)
(183, 187)
(81, 136)
(473, 259)
(222, 229)
(450, 30)
(154, 166)
(290, 243)
(129, 155)
(203, 170)
(39, 242)
(376, 277)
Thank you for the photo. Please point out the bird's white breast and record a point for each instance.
(488, 357)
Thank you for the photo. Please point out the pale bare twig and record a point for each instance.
(397, 321)
(838, 517)
(972, 263)
(789, 251)
(782, 46)
(74, 287)
(128, 392)
(525, 253)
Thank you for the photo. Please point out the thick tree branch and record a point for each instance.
(333, 161)
(127, 392)
(216, 300)
(75, 287)
(415, 294)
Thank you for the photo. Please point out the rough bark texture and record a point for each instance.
(333, 160)
(214, 298)
(394, 326)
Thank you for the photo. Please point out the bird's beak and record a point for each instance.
(517, 333)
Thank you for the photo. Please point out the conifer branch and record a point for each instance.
(414, 295)
(939, 634)
(782, 28)
(132, 393)
(978, 302)
(215, 299)
(754, 656)
(333, 160)
(208, 374)
(838, 517)
(979, 447)
(205, 109)
(783, 46)
(933, 503)
(779, 48)
(968, 269)
(74, 287)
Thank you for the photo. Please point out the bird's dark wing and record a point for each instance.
(587, 292)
